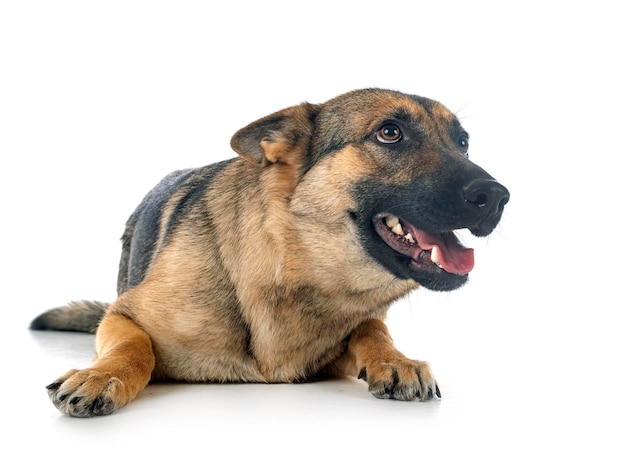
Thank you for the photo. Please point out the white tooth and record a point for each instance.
(392, 221)
(434, 256)
(398, 230)
(409, 237)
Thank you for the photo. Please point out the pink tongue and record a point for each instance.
(453, 257)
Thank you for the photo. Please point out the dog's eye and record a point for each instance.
(463, 142)
(389, 133)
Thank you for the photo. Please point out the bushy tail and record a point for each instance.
(82, 316)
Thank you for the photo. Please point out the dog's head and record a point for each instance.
(383, 175)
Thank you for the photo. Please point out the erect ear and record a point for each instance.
(280, 137)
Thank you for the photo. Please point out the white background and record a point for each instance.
(99, 100)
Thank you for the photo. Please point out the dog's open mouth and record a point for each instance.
(431, 251)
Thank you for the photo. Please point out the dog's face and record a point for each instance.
(381, 175)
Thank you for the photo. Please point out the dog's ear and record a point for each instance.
(281, 137)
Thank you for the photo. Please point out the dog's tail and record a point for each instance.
(81, 316)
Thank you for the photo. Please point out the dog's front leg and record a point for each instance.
(373, 357)
(123, 366)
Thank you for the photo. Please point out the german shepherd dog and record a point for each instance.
(280, 265)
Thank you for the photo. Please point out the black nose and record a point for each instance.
(488, 196)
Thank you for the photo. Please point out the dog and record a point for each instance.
(279, 265)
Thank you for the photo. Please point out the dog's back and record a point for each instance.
(146, 230)
(150, 225)
(140, 242)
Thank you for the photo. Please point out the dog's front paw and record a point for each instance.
(402, 379)
(85, 393)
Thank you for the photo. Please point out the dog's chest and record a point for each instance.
(295, 337)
